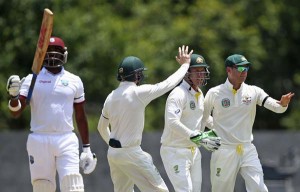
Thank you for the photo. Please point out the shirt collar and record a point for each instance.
(230, 86)
(45, 71)
(123, 83)
(189, 88)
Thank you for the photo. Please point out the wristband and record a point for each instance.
(14, 109)
(14, 97)
(86, 145)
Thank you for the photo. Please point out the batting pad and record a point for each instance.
(72, 183)
(42, 185)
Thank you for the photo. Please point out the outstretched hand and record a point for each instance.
(285, 99)
(184, 56)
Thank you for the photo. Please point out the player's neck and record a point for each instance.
(235, 85)
(54, 70)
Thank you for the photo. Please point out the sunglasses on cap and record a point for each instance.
(241, 68)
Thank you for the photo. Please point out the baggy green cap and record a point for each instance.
(236, 59)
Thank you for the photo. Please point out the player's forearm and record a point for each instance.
(179, 128)
(82, 125)
(104, 129)
(168, 84)
(176, 77)
(16, 106)
(209, 123)
(83, 131)
(274, 106)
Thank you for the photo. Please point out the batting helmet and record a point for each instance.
(56, 54)
(131, 69)
(198, 61)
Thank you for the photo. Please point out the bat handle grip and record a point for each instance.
(34, 76)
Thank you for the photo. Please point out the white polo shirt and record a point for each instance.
(234, 112)
(124, 108)
(52, 100)
(183, 115)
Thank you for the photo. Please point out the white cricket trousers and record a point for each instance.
(51, 152)
(129, 166)
(183, 166)
(229, 160)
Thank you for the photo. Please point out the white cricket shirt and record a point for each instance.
(124, 108)
(234, 113)
(52, 100)
(183, 115)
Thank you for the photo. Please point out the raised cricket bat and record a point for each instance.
(41, 49)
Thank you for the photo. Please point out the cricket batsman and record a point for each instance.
(52, 145)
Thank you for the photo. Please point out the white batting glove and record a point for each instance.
(88, 160)
(13, 86)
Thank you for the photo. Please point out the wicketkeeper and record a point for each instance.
(182, 132)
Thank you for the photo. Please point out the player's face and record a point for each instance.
(198, 75)
(54, 57)
(238, 74)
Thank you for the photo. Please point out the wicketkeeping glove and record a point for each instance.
(88, 160)
(13, 86)
(209, 140)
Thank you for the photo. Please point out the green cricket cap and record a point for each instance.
(236, 59)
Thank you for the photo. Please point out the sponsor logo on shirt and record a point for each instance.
(225, 102)
(192, 105)
(246, 100)
(44, 81)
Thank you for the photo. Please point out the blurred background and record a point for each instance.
(99, 34)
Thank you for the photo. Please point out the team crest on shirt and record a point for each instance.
(225, 102)
(65, 82)
(192, 105)
(246, 100)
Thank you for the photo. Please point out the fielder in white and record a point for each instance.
(52, 145)
(124, 111)
(182, 132)
(233, 106)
